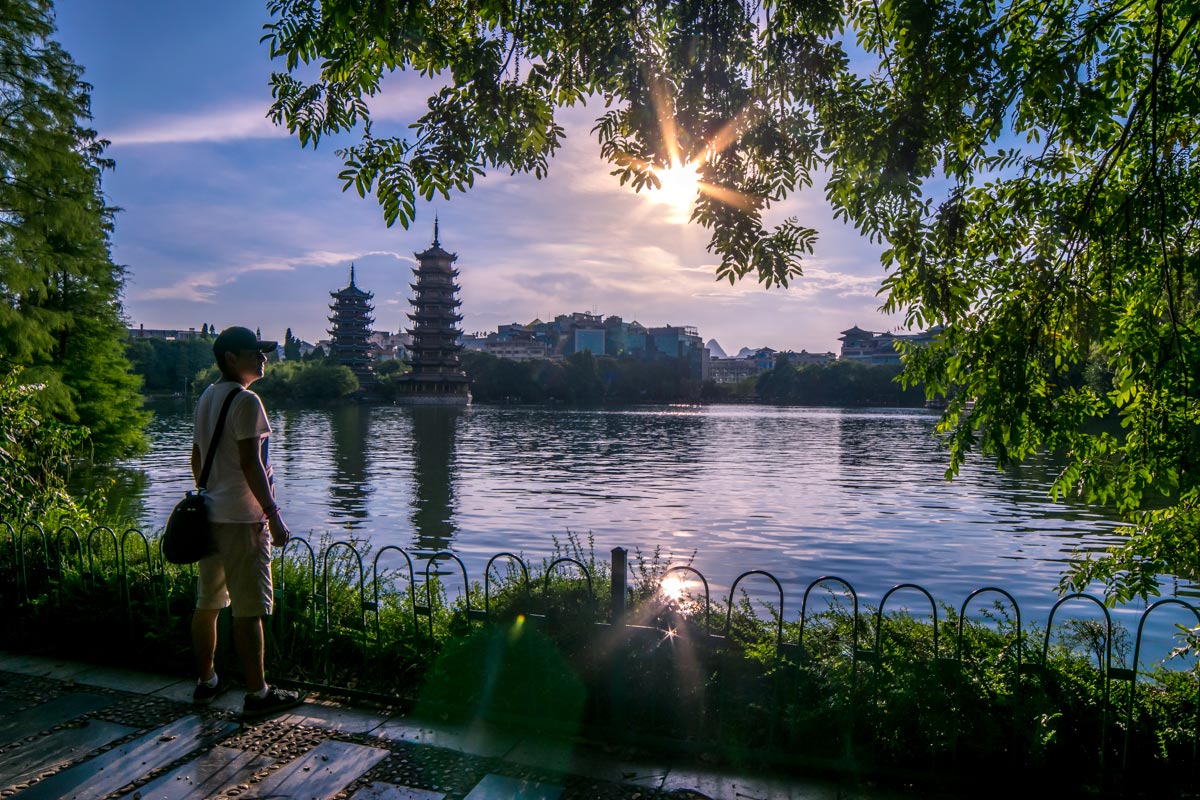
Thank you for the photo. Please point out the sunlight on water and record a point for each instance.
(799, 492)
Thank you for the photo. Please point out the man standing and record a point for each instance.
(241, 507)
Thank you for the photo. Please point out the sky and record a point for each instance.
(226, 220)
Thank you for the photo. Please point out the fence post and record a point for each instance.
(620, 583)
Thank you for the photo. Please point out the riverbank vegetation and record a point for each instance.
(61, 326)
(315, 381)
(842, 383)
(1028, 170)
(579, 379)
(539, 646)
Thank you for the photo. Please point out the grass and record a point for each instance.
(535, 645)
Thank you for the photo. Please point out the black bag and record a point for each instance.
(187, 537)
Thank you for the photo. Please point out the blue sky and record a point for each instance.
(226, 220)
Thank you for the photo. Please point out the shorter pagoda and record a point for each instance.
(351, 330)
(437, 377)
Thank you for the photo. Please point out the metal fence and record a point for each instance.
(37, 560)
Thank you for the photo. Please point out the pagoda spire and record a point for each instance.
(436, 243)
(351, 273)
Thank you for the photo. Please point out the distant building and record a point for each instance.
(732, 370)
(389, 346)
(878, 348)
(170, 334)
(351, 331)
(623, 338)
(589, 338)
(530, 349)
(682, 342)
(805, 358)
(581, 331)
(437, 376)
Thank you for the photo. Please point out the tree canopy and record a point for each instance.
(1030, 167)
(61, 322)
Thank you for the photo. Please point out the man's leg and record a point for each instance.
(204, 641)
(248, 639)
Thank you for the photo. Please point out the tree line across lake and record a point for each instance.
(170, 367)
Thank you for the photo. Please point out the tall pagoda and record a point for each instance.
(351, 329)
(437, 378)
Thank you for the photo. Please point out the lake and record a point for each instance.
(800, 492)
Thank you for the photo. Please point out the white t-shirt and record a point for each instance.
(229, 498)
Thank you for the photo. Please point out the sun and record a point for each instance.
(680, 185)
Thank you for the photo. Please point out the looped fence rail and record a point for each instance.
(337, 590)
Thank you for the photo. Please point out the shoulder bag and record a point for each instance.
(187, 537)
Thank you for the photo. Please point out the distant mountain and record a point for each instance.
(714, 349)
(746, 351)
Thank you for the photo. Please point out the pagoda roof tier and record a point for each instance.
(427, 330)
(446, 362)
(352, 293)
(458, 377)
(433, 288)
(435, 315)
(434, 357)
(448, 340)
(444, 358)
(433, 271)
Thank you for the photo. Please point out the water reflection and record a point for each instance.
(433, 436)
(801, 492)
(349, 489)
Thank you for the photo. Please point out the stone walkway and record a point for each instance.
(78, 731)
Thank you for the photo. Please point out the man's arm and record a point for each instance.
(196, 466)
(250, 458)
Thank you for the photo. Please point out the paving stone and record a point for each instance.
(123, 680)
(390, 791)
(321, 773)
(207, 776)
(478, 740)
(551, 754)
(722, 785)
(181, 692)
(501, 787)
(345, 720)
(46, 715)
(123, 765)
(40, 666)
(56, 750)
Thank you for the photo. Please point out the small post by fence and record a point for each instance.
(620, 582)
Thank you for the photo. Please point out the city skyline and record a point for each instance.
(226, 220)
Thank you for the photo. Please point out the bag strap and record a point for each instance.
(216, 438)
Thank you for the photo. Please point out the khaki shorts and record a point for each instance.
(239, 573)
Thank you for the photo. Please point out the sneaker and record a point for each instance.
(255, 707)
(204, 694)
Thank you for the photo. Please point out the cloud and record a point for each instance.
(232, 123)
(202, 287)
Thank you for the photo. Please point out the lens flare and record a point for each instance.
(673, 588)
(678, 189)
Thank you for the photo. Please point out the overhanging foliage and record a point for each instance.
(1030, 166)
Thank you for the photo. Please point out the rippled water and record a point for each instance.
(800, 492)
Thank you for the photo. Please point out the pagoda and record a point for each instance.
(351, 329)
(436, 378)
